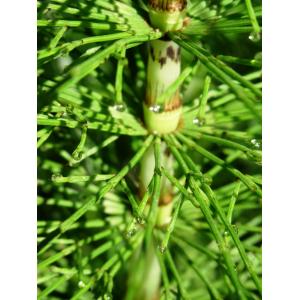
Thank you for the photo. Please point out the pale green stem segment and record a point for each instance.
(162, 107)
(147, 173)
(162, 112)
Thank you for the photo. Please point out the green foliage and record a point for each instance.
(93, 223)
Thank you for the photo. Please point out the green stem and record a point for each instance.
(162, 107)
(167, 15)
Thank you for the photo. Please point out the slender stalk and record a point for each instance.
(162, 107)
(162, 114)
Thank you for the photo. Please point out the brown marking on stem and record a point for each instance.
(162, 61)
(165, 199)
(171, 52)
(178, 55)
(174, 103)
(169, 5)
(152, 53)
(167, 152)
(186, 22)
(180, 124)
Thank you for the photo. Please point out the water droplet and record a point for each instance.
(226, 233)
(119, 107)
(235, 228)
(162, 249)
(107, 296)
(81, 284)
(254, 36)
(255, 143)
(198, 122)
(55, 177)
(140, 220)
(156, 108)
(131, 232)
(77, 155)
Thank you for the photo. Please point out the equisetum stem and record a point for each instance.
(162, 112)
(162, 106)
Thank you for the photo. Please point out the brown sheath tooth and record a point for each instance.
(168, 5)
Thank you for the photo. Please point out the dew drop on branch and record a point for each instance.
(198, 122)
(107, 296)
(140, 220)
(81, 284)
(254, 37)
(162, 249)
(255, 143)
(131, 232)
(119, 107)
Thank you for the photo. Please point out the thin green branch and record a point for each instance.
(183, 292)
(66, 225)
(223, 72)
(87, 66)
(156, 192)
(232, 201)
(252, 16)
(119, 77)
(203, 99)
(245, 179)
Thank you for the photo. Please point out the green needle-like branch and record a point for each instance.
(66, 225)
(203, 99)
(252, 16)
(156, 192)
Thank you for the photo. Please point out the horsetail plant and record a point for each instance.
(149, 149)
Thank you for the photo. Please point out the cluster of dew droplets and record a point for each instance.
(120, 107)
(131, 231)
(107, 296)
(156, 108)
(255, 144)
(255, 154)
(162, 249)
(140, 220)
(198, 122)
